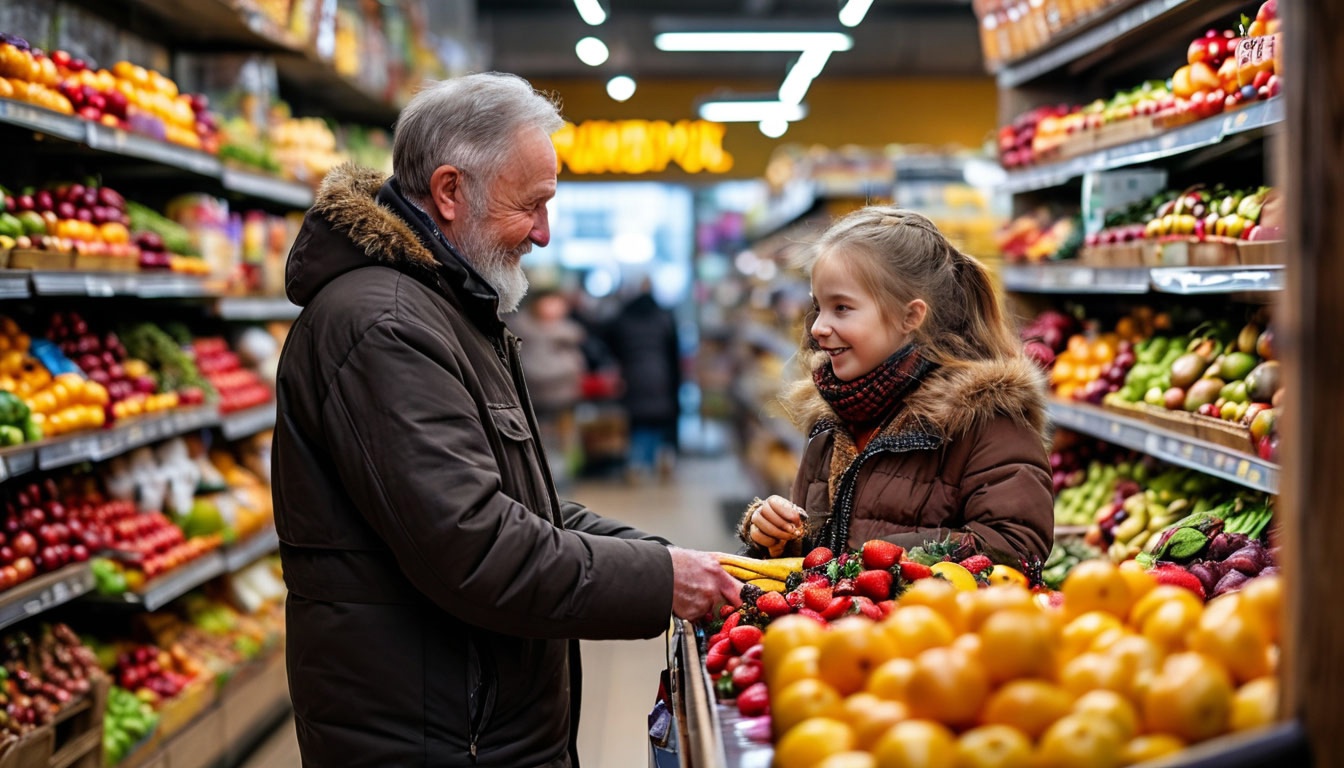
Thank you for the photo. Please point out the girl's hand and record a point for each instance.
(777, 522)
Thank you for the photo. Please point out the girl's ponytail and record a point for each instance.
(984, 312)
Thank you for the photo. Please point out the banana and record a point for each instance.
(769, 585)
(777, 568)
(741, 574)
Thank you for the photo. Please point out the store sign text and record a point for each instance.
(641, 146)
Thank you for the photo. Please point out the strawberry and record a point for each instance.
(844, 588)
(811, 614)
(753, 653)
(718, 656)
(754, 701)
(818, 556)
(977, 564)
(732, 621)
(725, 610)
(746, 675)
(1174, 574)
(880, 555)
(869, 608)
(715, 638)
(817, 578)
(817, 597)
(794, 599)
(839, 607)
(887, 606)
(913, 571)
(773, 604)
(744, 637)
(874, 585)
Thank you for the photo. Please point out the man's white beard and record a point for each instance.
(501, 267)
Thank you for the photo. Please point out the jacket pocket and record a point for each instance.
(521, 462)
(482, 686)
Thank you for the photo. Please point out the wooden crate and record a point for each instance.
(1262, 252)
(1213, 252)
(200, 744)
(31, 258)
(1207, 428)
(31, 751)
(176, 713)
(78, 731)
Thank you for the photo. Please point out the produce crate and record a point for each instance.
(29, 258)
(1261, 252)
(1213, 252)
(200, 744)
(1216, 431)
(253, 704)
(31, 751)
(93, 262)
(78, 731)
(178, 712)
(1116, 255)
(4, 258)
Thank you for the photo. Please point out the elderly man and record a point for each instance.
(437, 584)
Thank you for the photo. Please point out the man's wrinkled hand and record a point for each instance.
(699, 583)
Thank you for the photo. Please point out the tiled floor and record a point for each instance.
(621, 678)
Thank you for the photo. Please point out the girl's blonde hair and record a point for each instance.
(898, 256)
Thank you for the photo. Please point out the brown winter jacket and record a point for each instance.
(965, 457)
(436, 582)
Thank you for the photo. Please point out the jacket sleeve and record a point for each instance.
(579, 518)
(415, 459)
(1007, 502)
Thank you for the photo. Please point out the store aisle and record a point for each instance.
(621, 678)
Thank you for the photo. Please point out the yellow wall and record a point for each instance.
(867, 112)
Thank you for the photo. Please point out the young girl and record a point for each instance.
(925, 420)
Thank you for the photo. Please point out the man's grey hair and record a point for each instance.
(469, 122)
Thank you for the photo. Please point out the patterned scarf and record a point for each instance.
(870, 399)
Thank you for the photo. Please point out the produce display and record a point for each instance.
(238, 387)
(1010, 30)
(128, 721)
(42, 676)
(1041, 235)
(1123, 666)
(43, 532)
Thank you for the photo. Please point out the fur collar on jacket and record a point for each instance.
(347, 199)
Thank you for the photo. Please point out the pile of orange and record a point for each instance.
(1125, 671)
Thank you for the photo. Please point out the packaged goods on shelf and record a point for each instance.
(1011, 30)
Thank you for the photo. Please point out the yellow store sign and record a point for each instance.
(641, 146)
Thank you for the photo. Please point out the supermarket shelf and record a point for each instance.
(14, 284)
(104, 444)
(1184, 281)
(45, 592)
(256, 308)
(256, 546)
(166, 588)
(1167, 445)
(42, 120)
(1088, 38)
(119, 142)
(248, 422)
(1188, 138)
(145, 285)
(263, 187)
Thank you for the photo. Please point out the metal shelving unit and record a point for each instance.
(1184, 281)
(42, 593)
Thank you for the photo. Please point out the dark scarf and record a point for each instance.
(869, 400)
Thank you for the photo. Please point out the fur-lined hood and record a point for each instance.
(955, 400)
(358, 216)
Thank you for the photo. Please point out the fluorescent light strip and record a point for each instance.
(801, 75)
(750, 111)
(591, 12)
(854, 11)
(752, 41)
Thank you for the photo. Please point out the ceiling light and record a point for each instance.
(621, 87)
(591, 51)
(591, 11)
(854, 11)
(750, 111)
(774, 127)
(801, 75)
(752, 41)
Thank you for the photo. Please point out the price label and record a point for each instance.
(1255, 475)
(1257, 51)
(1187, 450)
(1242, 468)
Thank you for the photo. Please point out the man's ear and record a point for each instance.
(444, 188)
(915, 312)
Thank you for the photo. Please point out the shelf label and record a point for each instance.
(95, 285)
(1257, 51)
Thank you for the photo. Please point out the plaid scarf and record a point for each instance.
(873, 397)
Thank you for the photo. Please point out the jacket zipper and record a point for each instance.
(477, 715)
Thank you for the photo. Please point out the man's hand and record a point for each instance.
(699, 583)
(776, 522)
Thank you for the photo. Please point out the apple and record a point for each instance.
(1268, 11)
(24, 544)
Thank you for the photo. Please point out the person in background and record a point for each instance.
(554, 365)
(926, 421)
(437, 584)
(643, 338)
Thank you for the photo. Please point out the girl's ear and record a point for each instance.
(915, 312)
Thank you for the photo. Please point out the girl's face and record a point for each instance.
(851, 327)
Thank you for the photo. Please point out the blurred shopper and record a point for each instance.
(643, 338)
(437, 585)
(926, 420)
(554, 364)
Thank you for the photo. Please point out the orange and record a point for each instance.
(800, 701)
(870, 717)
(1079, 634)
(1094, 671)
(1137, 654)
(1003, 575)
(1190, 699)
(1020, 643)
(971, 644)
(1097, 585)
(891, 681)
(948, 686)
(1235, 640)
(1170, 624)
(981, 604)
(798, 664)
(848, 760)
(1263, 597)
(1080, 740)
(1149, 747)
(1027, 706)
(786, 633)
(1255, 704)
(1112, 707)
(850, 652)
(811, 741)
(993, 746)
(1159, 596)
(1140, 581)
(916, 744)
(913, 629)
(938, 595)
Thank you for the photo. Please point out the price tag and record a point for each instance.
(60, 592)
(136, 434)
(1115, 429)
(1257, 51)
(1187, 450)
(1151, 444)
(1255, 476)
(1242, 468)
(99, 286)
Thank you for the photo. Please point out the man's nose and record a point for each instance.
(541, 229)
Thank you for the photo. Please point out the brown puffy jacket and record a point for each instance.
(436, 583)
(965, 457)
